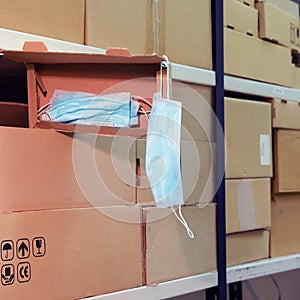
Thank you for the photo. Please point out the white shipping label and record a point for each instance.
(265, 153)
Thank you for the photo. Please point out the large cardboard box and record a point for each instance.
(197, 172)
(169, 252)
(248, 144)
(253, 58)
(57, 19)
(247, 246)
(181, 30)
(285, 224)
(248, 204)
(285, 114)
(278, 26)
(240, 17)
(247, 2)
(286, 161)
(45, 169)
(69, 254)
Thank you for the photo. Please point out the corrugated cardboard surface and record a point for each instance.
(247, 246)
(286, 114)
(84, 253)
(285, 237)
(248, 204)
(240, 17)
(174, 28)
(37, 170)
(245, 122)
(296, 77)
(253, 58)
(247, 2)
(170, 252)
(52, 18)
(197, 173)
(288, 6)
(278, 26)
(286, 161)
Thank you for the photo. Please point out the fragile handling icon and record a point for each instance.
(7, 274)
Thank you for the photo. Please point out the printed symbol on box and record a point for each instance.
(24, 272)
(7, 274)
(23, 248)
(7, 250)
(38, 246)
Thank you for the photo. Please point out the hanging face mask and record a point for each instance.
(163, 152)
(114, 110)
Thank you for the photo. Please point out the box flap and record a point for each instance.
(84, 58)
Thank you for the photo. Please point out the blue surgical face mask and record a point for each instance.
(163, 152)
(115, 110)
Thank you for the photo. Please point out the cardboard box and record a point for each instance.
(296, 77)
(247, 246)
(248, 148)
(278, 26)
(174, 28)
(69, 254)
(197, 172)
(57, 19)
(288, 6)
(285, 224)
(240, 17)
(45, 169)
(253, 58)
(114, 72)
(286, 161)
(285, 114)
(169, 252)
(248, 204)
(247, 2)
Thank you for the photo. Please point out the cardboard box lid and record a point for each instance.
(248, 204)
(115, 56)
(286, 161)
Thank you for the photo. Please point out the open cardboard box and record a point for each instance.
(116, 71)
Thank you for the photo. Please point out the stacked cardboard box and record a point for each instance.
(286, 181)
(248, 170)
(243, 47)
(75, 218)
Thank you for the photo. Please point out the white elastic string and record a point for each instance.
(141, 99)
(167, 64)
(144, 112)
(182, 220)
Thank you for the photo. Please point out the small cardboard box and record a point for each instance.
(286, 161)
(253, 58)
(248, 140)
(247, 246)
(45, 169)
(174, 28)
(57, 19)
(240, 17)
(288, 6)
(248, 204)
(285, 114)
(197, 172)
(169, 252)
(278, 26)
(285, 224)
(69, 254)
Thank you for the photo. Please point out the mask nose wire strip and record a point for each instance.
(182, 220)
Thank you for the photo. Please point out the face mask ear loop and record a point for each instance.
(166, 64)
(161, 79)
(182, 220)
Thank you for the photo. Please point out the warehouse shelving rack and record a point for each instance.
(214, 282)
